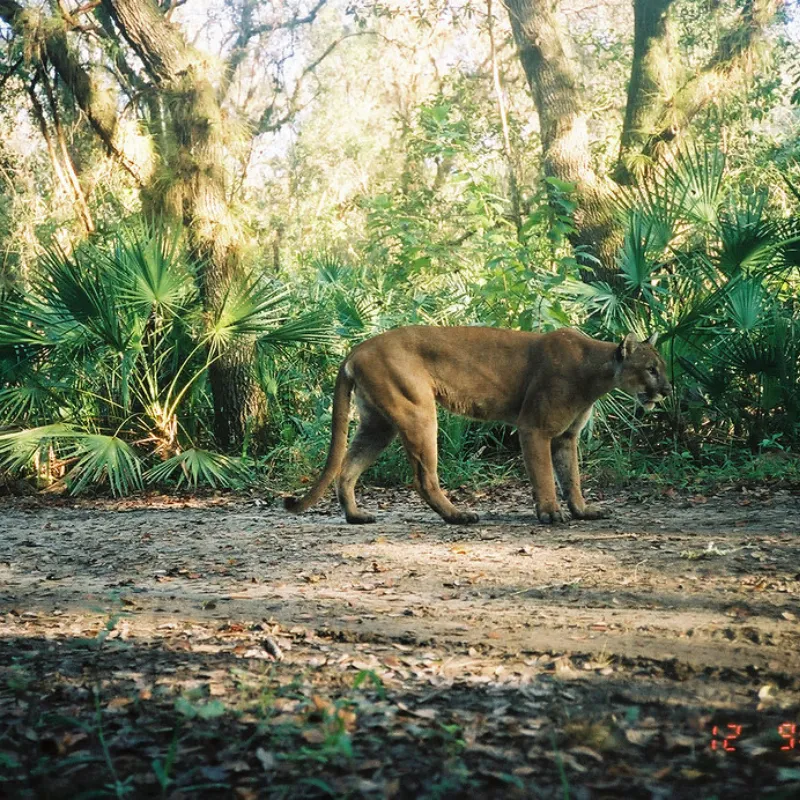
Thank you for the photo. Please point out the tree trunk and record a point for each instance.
(647, 89)
(191, 188)
(658, 109)
(549, 68)
(81, 205)
(508, 152)
(653, 117)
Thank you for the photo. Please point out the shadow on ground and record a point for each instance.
(176, 648)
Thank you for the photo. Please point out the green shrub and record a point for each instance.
(104, 361)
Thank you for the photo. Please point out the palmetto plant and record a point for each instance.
(104, 361)
(712, 268)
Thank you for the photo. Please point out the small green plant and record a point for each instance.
(365, 675)
(196, 706)
(710, 551)
(162, 769)
(118, 788)
(562, 773)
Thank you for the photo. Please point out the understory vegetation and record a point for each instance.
(106, 350)
(125, 336)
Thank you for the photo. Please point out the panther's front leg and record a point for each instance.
(539, 466)
(567, 466)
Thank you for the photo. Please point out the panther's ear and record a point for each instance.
(652, 339)
(627, 346)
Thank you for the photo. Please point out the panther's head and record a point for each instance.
(641, 371)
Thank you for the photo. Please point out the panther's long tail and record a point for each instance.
(338, 448)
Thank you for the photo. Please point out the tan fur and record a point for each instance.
(545, 384)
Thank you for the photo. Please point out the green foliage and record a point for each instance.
(709, 264)
(104, 363)
(192, 708)
(385, 207)
(445, 241)
(195, 467)
(105, 458)
(706, 260)
(628, 464)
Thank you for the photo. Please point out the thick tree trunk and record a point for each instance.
(192, 189)
(651, 73)
(659, 108)
(549, 68)
(734, 51)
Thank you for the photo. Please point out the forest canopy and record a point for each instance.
(203, 205)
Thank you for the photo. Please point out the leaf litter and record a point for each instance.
(168, 647)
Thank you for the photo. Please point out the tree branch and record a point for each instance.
(294, 22)
(267, 122)
(69, 165)
(248, 30)
(41, 120)
(71, 17)
(501, 107)
(10, 72)
(100, 108)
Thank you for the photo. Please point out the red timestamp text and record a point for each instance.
(723, 737)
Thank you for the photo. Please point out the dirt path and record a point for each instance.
(533, 645)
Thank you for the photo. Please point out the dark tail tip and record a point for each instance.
(291, 503)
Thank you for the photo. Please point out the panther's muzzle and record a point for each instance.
(648, 400)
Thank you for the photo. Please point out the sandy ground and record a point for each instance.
(677, 602)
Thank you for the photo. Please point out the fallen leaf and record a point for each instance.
(662, 773)
(691, 774)
(586, 751)
(118, 704)
(272, 647)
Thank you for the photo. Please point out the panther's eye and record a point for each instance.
(653, 371)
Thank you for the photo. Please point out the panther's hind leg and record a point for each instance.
(418, 428)
(373, 436)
